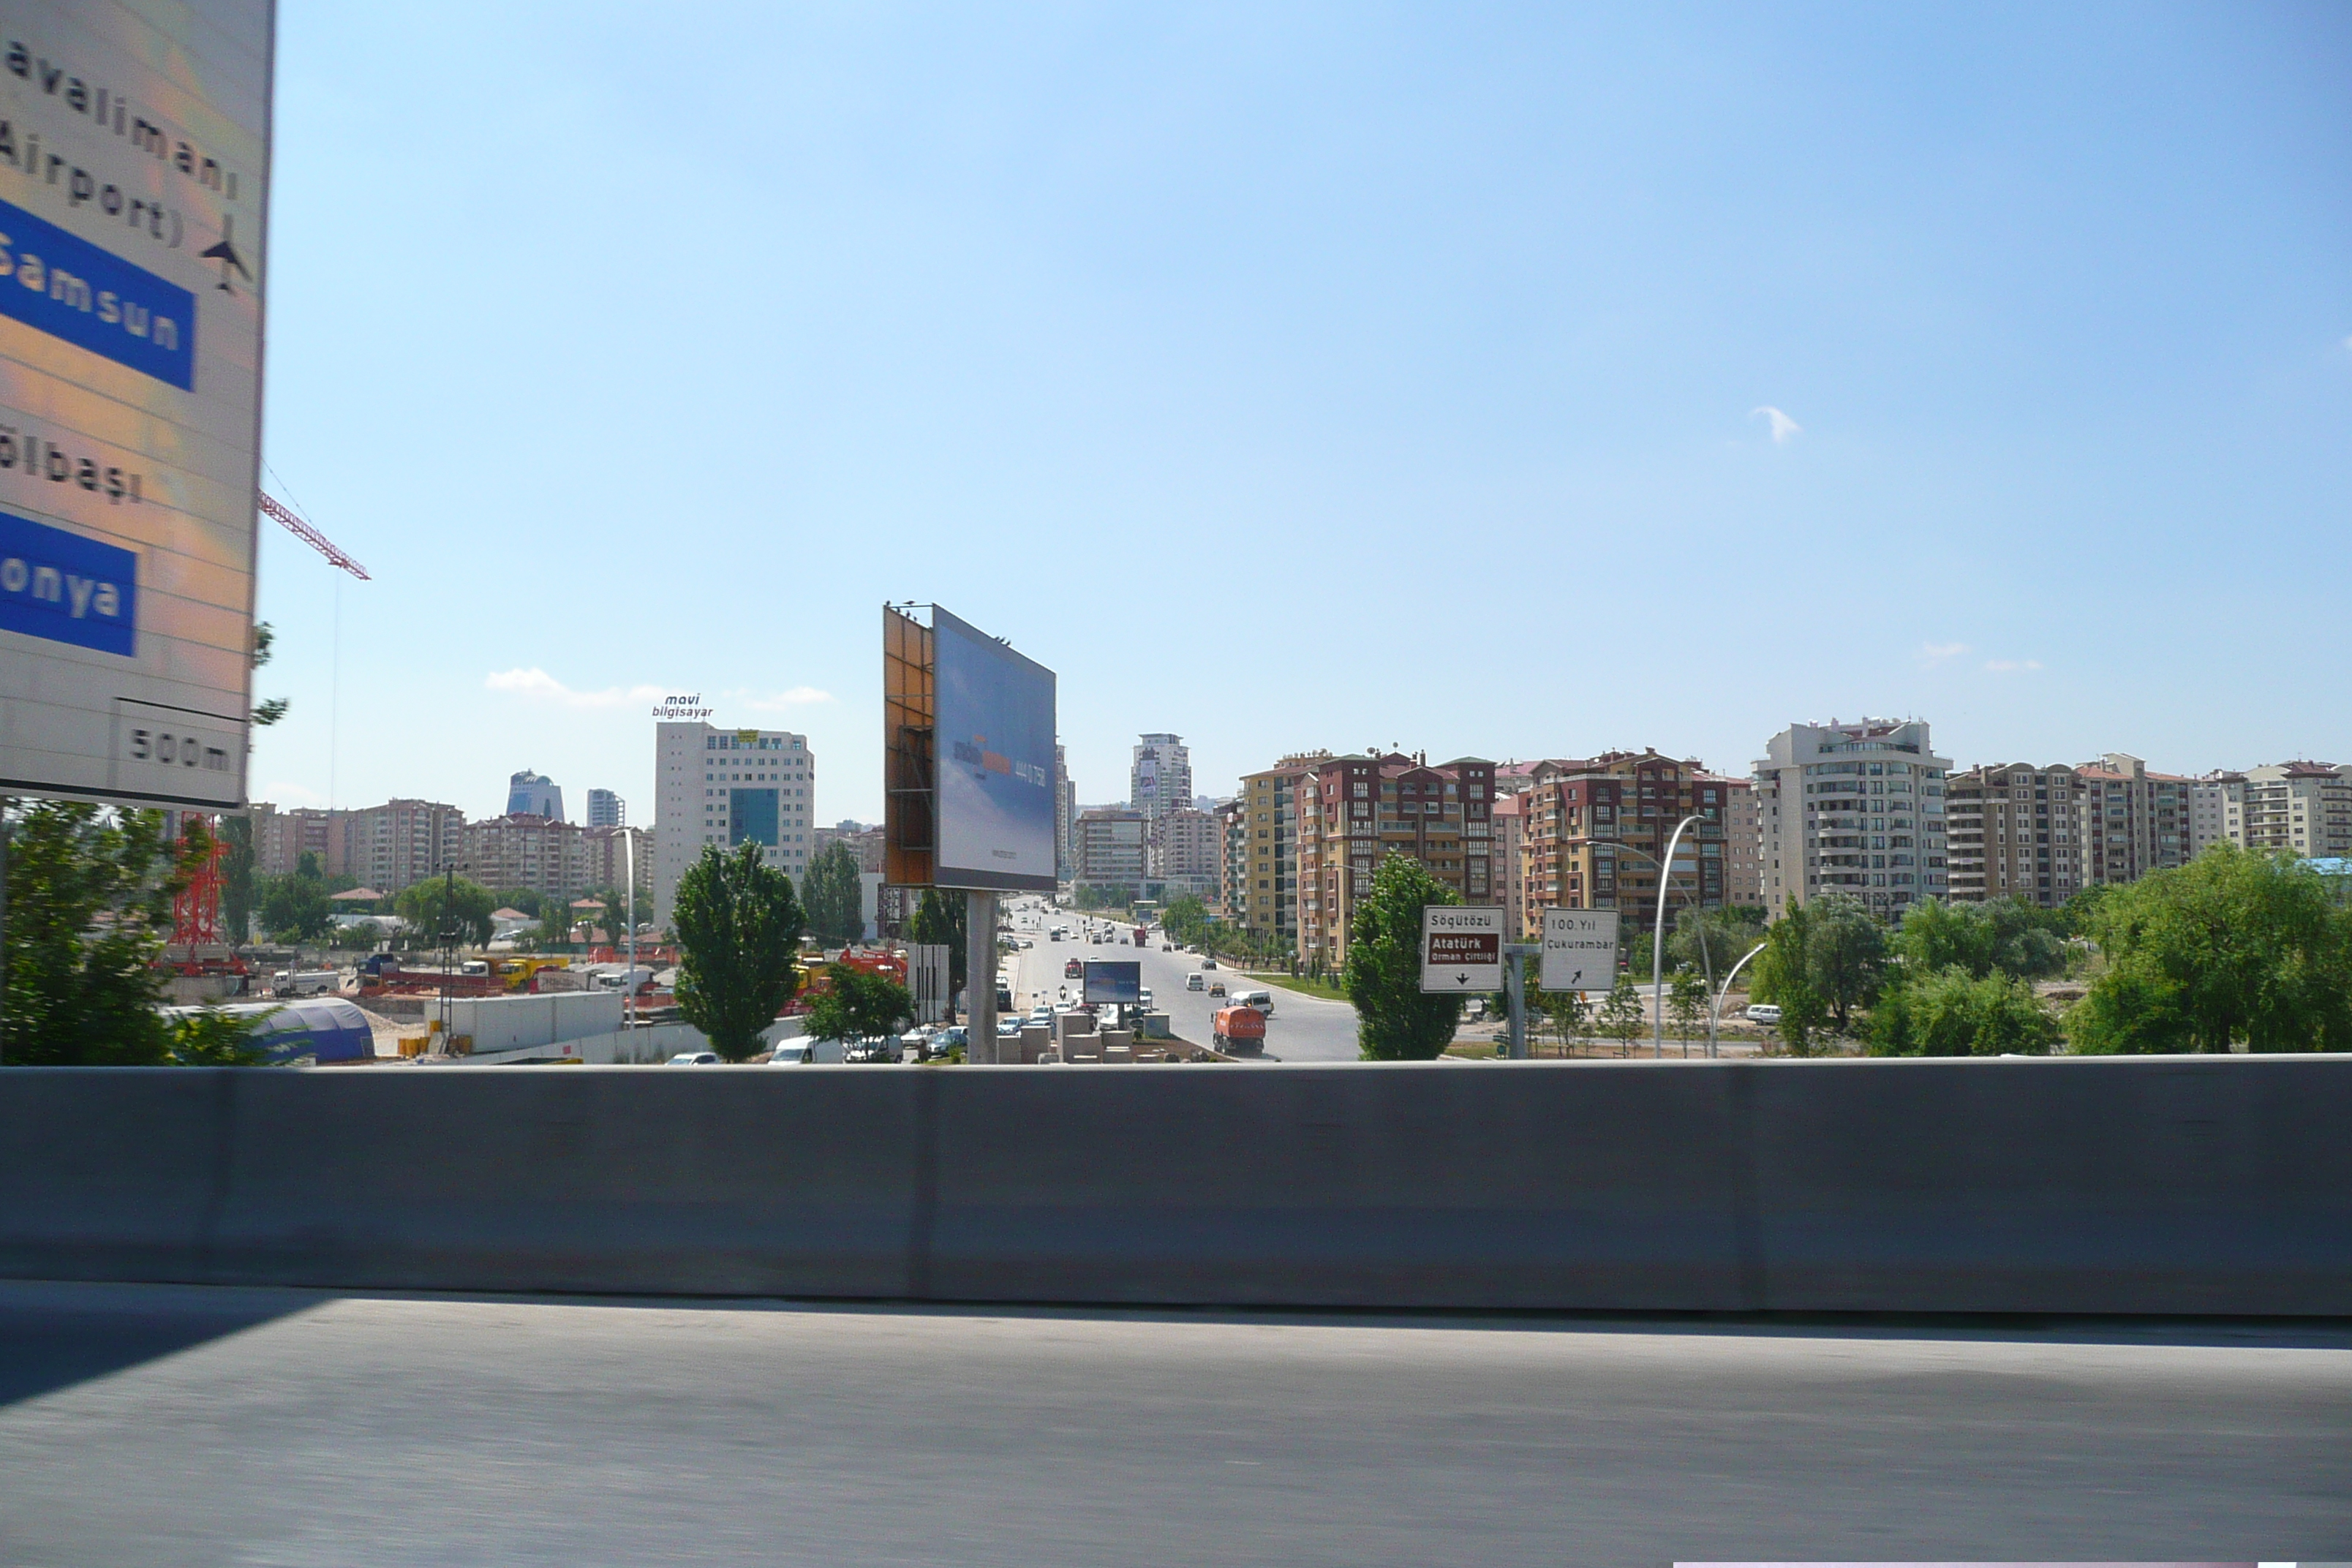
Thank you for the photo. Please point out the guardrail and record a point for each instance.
(2102, 1186)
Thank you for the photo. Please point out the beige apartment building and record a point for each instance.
(1509, 859)
(1353, 812)
(1269, 891)
(1743, 838)
(2303, 808)
(2134, 821)
(2015, 831)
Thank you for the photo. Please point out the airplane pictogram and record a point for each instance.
(226, 254)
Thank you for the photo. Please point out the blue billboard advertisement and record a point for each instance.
(1114, 979)
(993, 750)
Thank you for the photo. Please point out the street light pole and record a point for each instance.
(1658, 943)
(1715, 1014)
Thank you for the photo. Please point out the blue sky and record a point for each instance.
(1306, 375)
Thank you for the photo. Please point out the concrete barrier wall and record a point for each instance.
(2142, 1186)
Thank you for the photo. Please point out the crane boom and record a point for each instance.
(310, 536)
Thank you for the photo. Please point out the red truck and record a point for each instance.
(1238, 1031)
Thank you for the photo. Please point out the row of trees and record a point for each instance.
(2235, 948)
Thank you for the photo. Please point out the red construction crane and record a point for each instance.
(310, 536)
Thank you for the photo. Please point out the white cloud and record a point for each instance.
(539, 686)
(1938, 652)
(798, 696)
(2012, 665)
(1782, 425)
(285, 794)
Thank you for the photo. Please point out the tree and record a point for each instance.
(2236, 947)
(1784, 976)
(1564, 1015)
(857, 1002)
(525, 900)
(1955, 1014)
(294, 908)
(1848, 952)
(2004, 936)
(1685, 1000)
(237, 890)
(89, 910)
(265, 713)
(739, 929)
(835, 896)
(939, 921)
(1394, 1020)
(210, 1037)
(438, 904)
(1621, 1014)
(1712, 941)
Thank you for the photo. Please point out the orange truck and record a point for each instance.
(1238, 1031)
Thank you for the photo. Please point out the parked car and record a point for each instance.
(798, 1052)
(871, 1049)
(1764, 1013)
(694, 1060)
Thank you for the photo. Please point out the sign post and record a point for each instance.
(927, 966)
(1461, 947)
(1580, 950)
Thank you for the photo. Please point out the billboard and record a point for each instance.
(134, 164)
(993, 754)
(1114, 979)
(1580, 950)
(1461, 947)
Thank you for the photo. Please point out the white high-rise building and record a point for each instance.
(1853, 808)
(603, 808)
(1160, 780)
(714, 786)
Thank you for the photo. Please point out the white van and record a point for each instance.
(1261, 1000)
(1764, 1013)
(306, 983)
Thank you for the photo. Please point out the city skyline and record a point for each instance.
(1731, 373)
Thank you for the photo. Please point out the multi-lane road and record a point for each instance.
(1302, 1029)
(217, 1427)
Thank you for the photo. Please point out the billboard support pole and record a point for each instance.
(980, 975)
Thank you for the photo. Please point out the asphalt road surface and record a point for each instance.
(183, 1426)
(1303, 1028)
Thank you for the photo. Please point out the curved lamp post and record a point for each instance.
(1715, 1014)
(1658, 941)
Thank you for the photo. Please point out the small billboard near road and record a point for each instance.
(1461, 947)
(1580, 950)
(1113, 980)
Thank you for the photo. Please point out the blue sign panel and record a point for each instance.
(71, 289)
(66, 588)
(995, 762)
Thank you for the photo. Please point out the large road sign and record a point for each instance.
(134, 161)
(1461, 947)
(1580, 950)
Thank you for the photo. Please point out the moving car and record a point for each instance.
(1208, 964)
(694, 1060)
(1261, 1000)
(1217, 988)
(1195, 982)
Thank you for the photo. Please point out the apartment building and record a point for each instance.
(2015, 830)
(2211, 802)
(1232, 855)
(605, 808)
(1354, 812)
(2304, 808)
(1596, 830)
(1113, 848)
(2134, 821)
(1508, 860)
(727, 787)
(281, 837)
(1853, 808)
(523, 849)
(1065, 813)
(1268, 894)
(1743, 838)
(1185, 852)
(402, 842)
